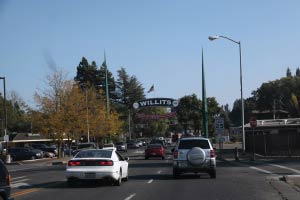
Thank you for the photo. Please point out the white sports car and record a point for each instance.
(94, 164)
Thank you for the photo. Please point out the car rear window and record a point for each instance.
(154, 145)
(189, 144)
(94, 154)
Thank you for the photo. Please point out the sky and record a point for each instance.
(159, 42)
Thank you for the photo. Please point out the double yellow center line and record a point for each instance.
(23, 192)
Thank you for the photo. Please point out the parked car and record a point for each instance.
(95, 164)
(84, 146)
(155, 150)
(45, 148)
(25, 153)
(121, 146)
(5, 180)
(194, 154)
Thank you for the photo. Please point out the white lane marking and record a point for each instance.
(284, 167)
(138, 152)
(20, 177)
(261, 170)
(130, 197)
(150, 181)
(18, 181)
(19, 185)
(159, 172)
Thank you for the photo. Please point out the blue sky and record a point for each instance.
(158, 41)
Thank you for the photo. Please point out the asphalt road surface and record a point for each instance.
(152, 179)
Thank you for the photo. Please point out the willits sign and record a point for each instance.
(164, 102)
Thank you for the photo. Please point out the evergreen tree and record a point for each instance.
(298, 72)
(288, 72)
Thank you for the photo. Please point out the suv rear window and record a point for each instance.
(189, 144)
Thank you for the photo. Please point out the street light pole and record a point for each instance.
(4, 106)
(241, 81)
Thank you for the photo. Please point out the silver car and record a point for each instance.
(194, 154)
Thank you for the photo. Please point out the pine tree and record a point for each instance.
(288, 72)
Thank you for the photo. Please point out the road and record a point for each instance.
(152, 179)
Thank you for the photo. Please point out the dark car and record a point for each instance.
(132, 145)
(121, 146)
(45, 148)
(25, 153)
(5, 180)
(84, 146)
(155, 150)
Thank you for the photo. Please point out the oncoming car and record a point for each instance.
(97, 164)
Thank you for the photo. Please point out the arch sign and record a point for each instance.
(165, 102)
(156, 102)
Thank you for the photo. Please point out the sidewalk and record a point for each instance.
(288, 186)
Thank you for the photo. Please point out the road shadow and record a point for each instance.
(150, 165)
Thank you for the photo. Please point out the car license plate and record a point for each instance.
(90, 175)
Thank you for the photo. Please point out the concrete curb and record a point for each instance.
(292, 179)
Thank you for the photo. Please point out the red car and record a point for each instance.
(155, 150)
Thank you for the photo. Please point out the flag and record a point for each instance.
(151, 89)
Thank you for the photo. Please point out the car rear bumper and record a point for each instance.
(89, 175)
(184, 165)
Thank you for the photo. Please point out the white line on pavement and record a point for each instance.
(130, 197)
(159, 172)
(18, 177)
(150, 181)
(18, 181)
(284, 167)
(261, 170)
(19, 185)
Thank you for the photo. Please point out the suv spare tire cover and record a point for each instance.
(196, 156)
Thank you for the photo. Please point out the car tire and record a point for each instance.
(119, 181)
(213, 173)
(32, 158)
(175, 173)
(126, 178)
(162, 157)
(146, 158)
(196, 156)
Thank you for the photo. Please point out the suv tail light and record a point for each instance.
(106, 163)
(74, 163)
(175, 154)
(212, 153)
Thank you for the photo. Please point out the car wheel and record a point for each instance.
(162, 157)
(146, 158)
(126, 178)
(119, 181)
(213, 173)
(175, 173)
(32, 158)
(196, 156)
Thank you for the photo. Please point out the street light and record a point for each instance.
(211, 38)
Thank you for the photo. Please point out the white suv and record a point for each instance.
(194, 154)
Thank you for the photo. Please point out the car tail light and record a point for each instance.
(212, 153)
(175, 154)
(74, 163)
(106, 163)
